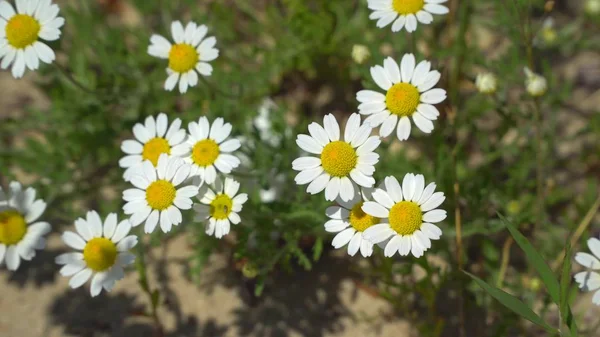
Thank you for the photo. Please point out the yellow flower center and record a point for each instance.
(221, 206)
(100, 254)
(160, 194)
(406, 217)
(402, 99)
(183, 58)
(361, 220)
(405, 7)
(12, 227)
(338, 158)
(205, 152)
(154, 148)
(22, 30)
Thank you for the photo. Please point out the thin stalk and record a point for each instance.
(460, 44)
(153, 296)
(505, 259)
(583, 225)
(539, 170)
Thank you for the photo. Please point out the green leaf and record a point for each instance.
(317, 249)
(155, 298)
(512, 303)
(535, 259)
(565, 283)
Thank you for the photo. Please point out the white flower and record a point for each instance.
(406, 13)
(151, 140)
(486, 83)
(20, 31)
(590, 280)
(408, 93)
(156, 197)
(188, 55)
(360, 53)
(547, 34)
(20, 233)
(536, 84)
(341, 163)
(102, 250)
(592, 7)
(350, 221)
(408, 212)
(220, 207)
(263, 123)
(207, 150)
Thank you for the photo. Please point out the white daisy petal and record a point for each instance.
(378, 74)
(319, 184)
(393, 189)
(587, 260)
(436, 215)
(392, 69)
(407, 66)
(393, 246)
(375, 209)
(436, 9)
(403, 130)
(354, 244)
(342, 238)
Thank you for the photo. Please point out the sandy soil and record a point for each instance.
(36, 301)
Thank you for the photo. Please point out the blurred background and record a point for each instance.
(282, 65)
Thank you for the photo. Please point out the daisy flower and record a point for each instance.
(152, 139)
(409, 213)
(405, 13)
(341, 163)
(20, 31)
(536, 84)
(350, 221)
(207, 149)
(486, 83)
(408, 93)
(220, 207)
(20, 233)
(102, 251)
(187, 57)
(590, 280)
(156, 196)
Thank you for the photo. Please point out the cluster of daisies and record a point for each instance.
(399, 216)
(168, 166)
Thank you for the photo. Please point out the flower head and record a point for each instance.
(102, 250)
(408, 94)
(152, 139)
(360, 53)
(536, 84)
(405, 13)
(589, 280)
(21, 30)
(350, 222)
(207, 149)
(220, 207)
(156, 196)
(409, 213)
(341, 163)
(187, 57)
(20, 234)
(486, 83)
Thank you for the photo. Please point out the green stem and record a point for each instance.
(153, 296)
